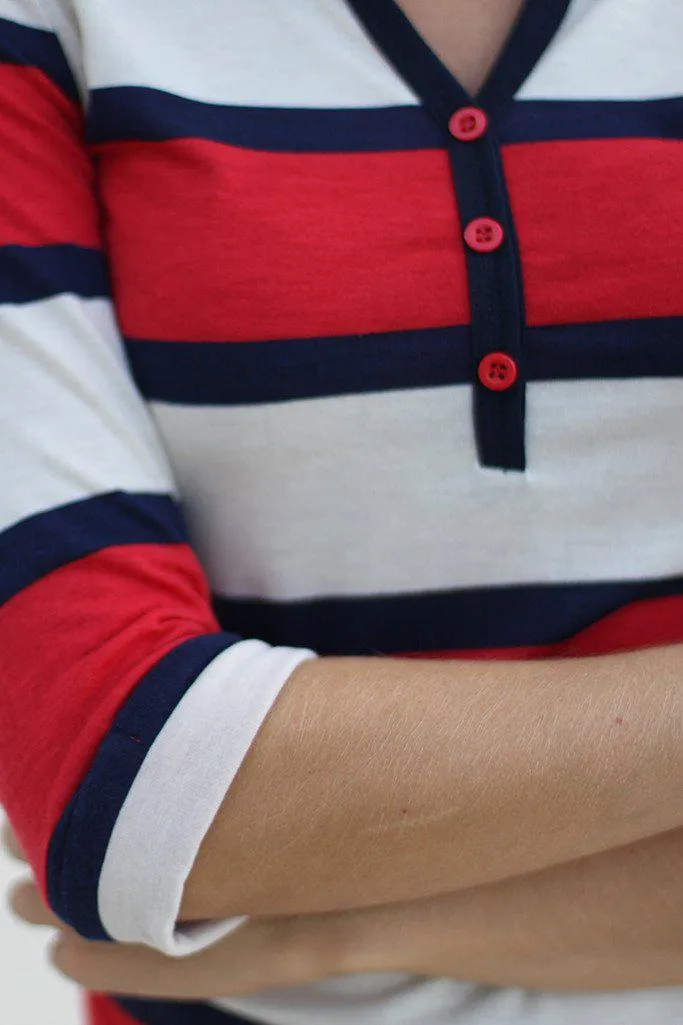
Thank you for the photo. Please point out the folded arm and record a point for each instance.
(377, 780)
(125, 709)
(607, 922)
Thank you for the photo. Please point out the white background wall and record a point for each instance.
(32, 992)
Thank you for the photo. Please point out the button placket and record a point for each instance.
(496, 302)
(491, 249)
(494, 290)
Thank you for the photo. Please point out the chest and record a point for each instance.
(467, 35)
(322, 215)
(284, 229)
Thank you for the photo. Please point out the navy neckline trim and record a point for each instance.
(534, 31)
(416, 62)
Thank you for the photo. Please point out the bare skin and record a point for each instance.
(467, 35)
(605, 923)
(375, 780)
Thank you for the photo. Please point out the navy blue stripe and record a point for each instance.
(157, 1012)
(40, 544)
(125, 113)
(609, 349)
(239, 373)
(243, 373)
(37, 48)
(79, 842)
(553, 120)
(487, 617)
(30, 273)
(130, 113)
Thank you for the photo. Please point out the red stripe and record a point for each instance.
(75, 644)
(210, 242)
(47, 177)
(213, 243)
(599, 225)
(642, 624)
(101, 1010)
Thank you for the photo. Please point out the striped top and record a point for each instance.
(411, 361)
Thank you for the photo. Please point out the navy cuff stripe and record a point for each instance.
(158, 1012)
(489, 617)
(128, 113)
(47, 541)
(244, 373)
(30, 273)
(37, 48)
(80, 840)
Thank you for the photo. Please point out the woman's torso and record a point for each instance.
(285, 197)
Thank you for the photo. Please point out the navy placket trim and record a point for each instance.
(495, 278)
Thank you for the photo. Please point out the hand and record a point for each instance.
(261, 954)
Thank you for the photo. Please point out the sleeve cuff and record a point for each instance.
(177, 794)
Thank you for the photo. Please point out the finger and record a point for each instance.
(230, 968)
(27, 904)
(10, 842)
(132, 970)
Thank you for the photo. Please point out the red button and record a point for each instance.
(484, 235)
(468, 124)
(497, 371)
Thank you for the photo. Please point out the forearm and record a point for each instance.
(610, 921)
(377, 780)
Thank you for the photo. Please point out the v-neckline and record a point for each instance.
(424, 71)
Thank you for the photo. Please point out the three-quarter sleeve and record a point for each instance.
(125, 709)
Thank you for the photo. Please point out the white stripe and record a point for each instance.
(250, 52)
(24, 12)
(71, 421)
(382, 493)
(177, 793)
(613, 50)
(403, 999)
(283, 54)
